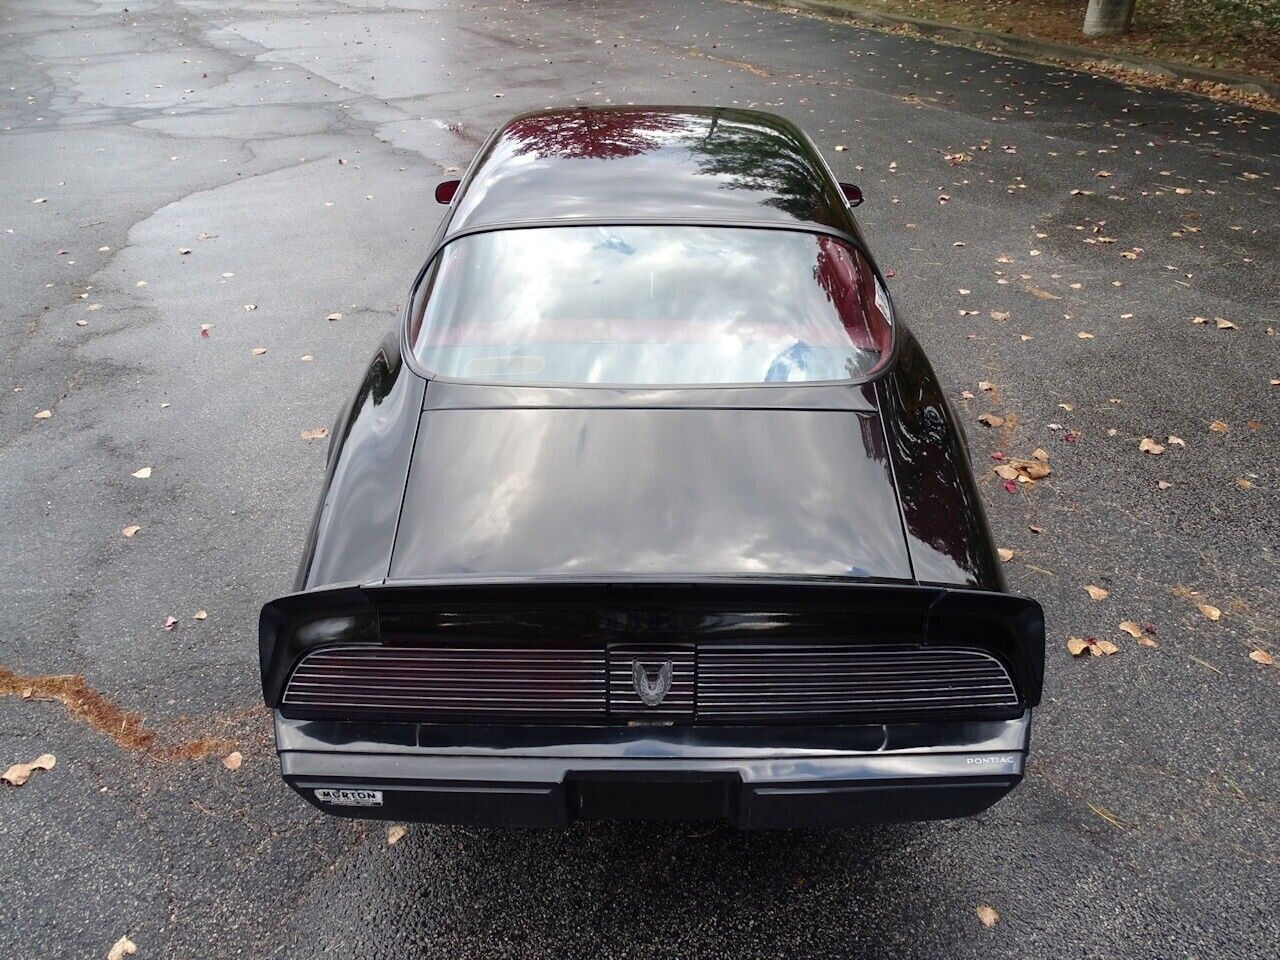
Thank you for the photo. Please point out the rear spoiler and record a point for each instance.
(773, 609)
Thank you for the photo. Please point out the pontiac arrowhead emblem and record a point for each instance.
(651, 692)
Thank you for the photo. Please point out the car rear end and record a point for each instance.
(789, 703)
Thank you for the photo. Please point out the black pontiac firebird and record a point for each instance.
(650, 508)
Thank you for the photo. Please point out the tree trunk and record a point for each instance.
(1108, 18)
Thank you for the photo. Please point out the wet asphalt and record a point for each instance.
(292, 148)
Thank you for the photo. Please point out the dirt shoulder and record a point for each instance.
(1242, 36)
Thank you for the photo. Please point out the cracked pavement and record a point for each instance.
(293, 148)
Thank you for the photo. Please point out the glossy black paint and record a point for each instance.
(625, 163)
(370, 446)
(946, 526)
(561, 491)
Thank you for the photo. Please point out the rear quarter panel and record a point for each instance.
(372, 442)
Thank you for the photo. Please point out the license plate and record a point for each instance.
(350, 798)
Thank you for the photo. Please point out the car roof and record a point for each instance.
(628, 164)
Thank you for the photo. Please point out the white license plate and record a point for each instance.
(350, 798)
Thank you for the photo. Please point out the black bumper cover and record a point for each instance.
(755, 777)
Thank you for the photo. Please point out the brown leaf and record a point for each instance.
(1222, 324)
(1039, 453)
(1150, 446)
(124, 947)
(985, 385)
(130, 530)
(1262, 657)
(233, 760)
(1005, 472)
(1098, 593)
(1210, 611)
(1177, 442)
(1031, 469)
(44, 414)
(1084, 335)
(991, 420)
(396, 833)
(1077, 645)
(20, 773)
(1163, 484)
(987, 915)
(200, 615)
(1132, 629)
(1005, 554)
(1103, 648)
(999, 315)
(1219, 427)
(315, 433)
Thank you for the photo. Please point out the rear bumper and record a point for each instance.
(755, 777)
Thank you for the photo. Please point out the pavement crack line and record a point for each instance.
(125, 728)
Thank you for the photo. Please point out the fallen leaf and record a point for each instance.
(204, 330)
(1262, 657)
(839, 147)
(170, 622)
(1224, 324)
(20, 773)
(987, 915)
(1076, 646)
(315, 433)
(200, 615)
(1210, 611)
(1132, 629)
(1084, 335)
(233, 760)
(1039, 453)
(1103, 173)
(44, 414)
(1005, 554)
(1098, 593)
(1163, 484)
(250, 307)
(143, 473)
(1102, 648)
(1035, 529)
(999, 315)
(991, 419)
(39, 200)
(1219, 427)
(985, 385)
(1244, 483)
(258, 351)
(1150, 446)
(184, 250)
(398, 831)
(130, 530)
(1177, 442)
(334, 316)
(124, 947)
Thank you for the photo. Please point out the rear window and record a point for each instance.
(651, 305)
